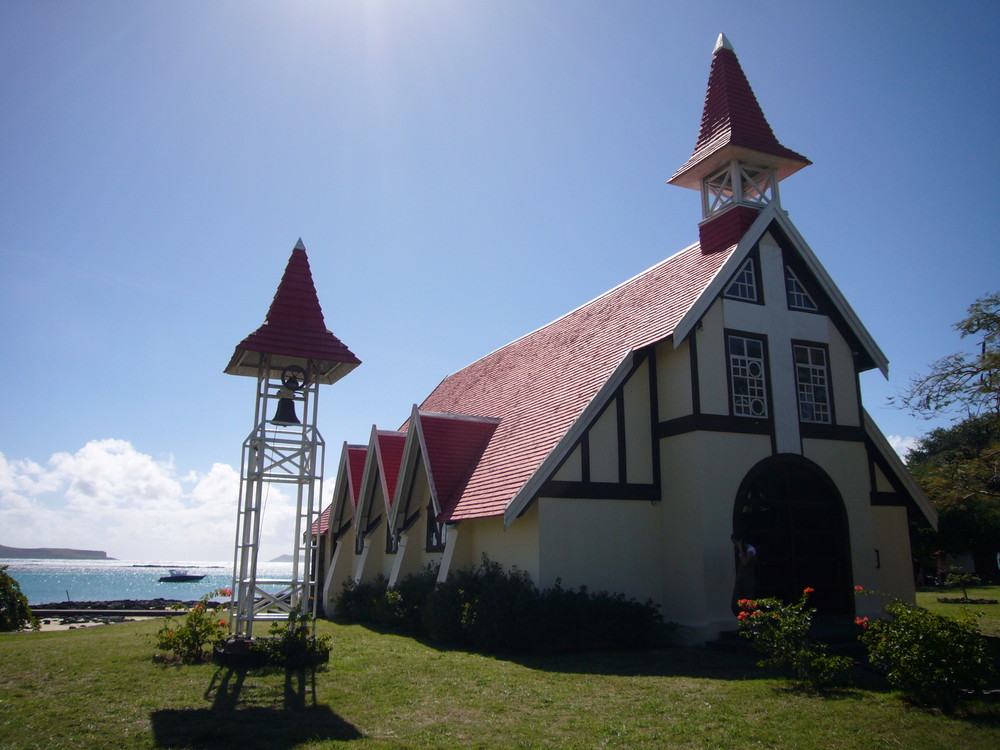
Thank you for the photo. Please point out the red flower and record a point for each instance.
(225, 592)
(808, 590)
(746, 604)
(862, 621)
(743, 615)
(198, 608)
(859, 589)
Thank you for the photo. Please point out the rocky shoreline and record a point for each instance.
(130, 604)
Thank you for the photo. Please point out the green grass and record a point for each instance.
(989, 624)
(99, 688)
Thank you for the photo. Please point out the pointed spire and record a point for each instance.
(733, 126)
(294, 331)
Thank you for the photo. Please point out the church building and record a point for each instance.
(622, 446)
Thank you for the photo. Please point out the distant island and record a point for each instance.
(283, 558)
(52, 553)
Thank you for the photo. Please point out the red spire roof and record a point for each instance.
(733, 126)
(294, 329)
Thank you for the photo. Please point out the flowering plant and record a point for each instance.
(781, 632)
(192, 639)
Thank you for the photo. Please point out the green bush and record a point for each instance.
(194, 637)
(290, 644)
(781, 632)
(929, 657)
(494, 610)
(15, 614)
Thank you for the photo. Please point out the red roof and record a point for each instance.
(294, 328)
(452, 446)
(733, 126)
(388, 454)
(540, 384)
(356, 457)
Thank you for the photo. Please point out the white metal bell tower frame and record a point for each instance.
(279, 452)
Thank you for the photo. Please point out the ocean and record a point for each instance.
(49, 581)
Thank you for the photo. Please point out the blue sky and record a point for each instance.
(460, 173)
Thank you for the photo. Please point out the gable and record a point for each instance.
(807, 267)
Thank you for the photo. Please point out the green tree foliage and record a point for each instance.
(964, 383)
(959, 466)
(15, 614)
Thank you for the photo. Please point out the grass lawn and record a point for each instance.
(989, 624)
(99, 688)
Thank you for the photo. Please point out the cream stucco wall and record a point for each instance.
(605, 545)
(702, 472)
(638, 435)
(892, 540)
(673, 373)
(515, 546)
(604, 447)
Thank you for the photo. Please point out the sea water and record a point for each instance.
(49, 581)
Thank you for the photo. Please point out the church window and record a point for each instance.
(747, 377)
(436, 532)
(744, 283)
(812, 381)
(798, 297)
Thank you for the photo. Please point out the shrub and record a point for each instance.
(781, 632)
(929, 657)
(494, 610)
(15, 614)
(290, 645)
(193, 638)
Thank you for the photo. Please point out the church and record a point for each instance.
(623, 446)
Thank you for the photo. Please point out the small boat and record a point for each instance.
(180, 576)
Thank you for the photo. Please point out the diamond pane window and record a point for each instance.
(749, 386)
(798, 297)
(812, 382)
(744, 284)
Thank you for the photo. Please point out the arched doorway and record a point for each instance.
(791, 511)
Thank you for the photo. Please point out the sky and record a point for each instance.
(461, 172)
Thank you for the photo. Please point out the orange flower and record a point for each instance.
(862, 621)
(743, 616)
(859, 589)
(222, 623)
(746, 604)
(808, 590)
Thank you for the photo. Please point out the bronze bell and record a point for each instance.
(293, 378)
(285, 413)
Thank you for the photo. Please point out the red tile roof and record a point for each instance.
(388, 454)
(294, 328)
(732, 123)
(354, 455)
(452, 446)
(539, 385)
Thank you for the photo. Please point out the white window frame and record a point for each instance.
(798, 297)
(812, 383)
(747, 357)
(743, 287)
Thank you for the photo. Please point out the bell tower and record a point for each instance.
(737, 162)
(289, 356)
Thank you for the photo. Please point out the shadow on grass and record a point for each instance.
(244, 716)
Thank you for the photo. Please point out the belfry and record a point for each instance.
(290, 355)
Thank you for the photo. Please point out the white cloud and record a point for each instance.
(902, 445)
(110, 497)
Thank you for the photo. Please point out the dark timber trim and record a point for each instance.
(600, 491)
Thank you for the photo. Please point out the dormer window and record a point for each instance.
(798, 297)
(436, 532)
(744, 284)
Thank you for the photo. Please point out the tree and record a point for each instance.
(959, 466)
(963, 383)
(15, 614)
